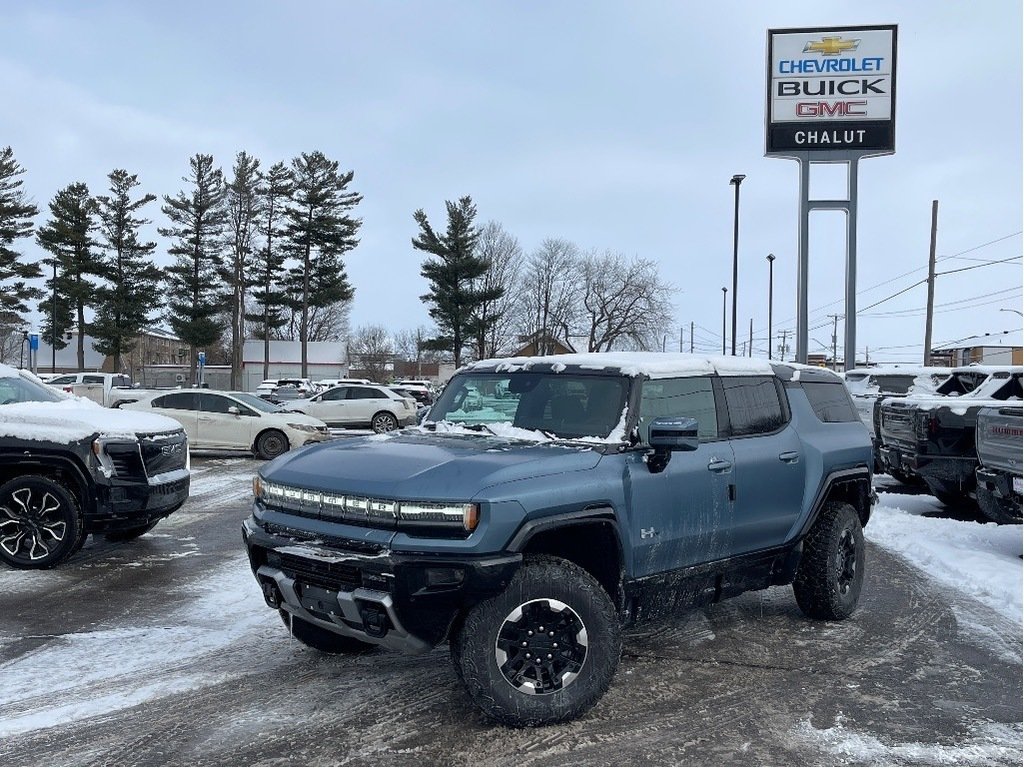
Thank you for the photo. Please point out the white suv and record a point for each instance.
(359, 405)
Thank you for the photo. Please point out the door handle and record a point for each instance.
(719, 465)
(789, 457)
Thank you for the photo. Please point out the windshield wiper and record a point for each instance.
(480, 427)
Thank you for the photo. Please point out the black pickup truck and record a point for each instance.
(933, 438)
(70, 467)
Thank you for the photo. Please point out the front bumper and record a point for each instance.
(128, 504)
(403, 602)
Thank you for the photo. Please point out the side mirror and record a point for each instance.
(669, 434)
(233, 410)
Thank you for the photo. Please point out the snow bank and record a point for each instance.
(68, 421)
(982, 561)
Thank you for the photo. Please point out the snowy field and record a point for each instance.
(162, 652)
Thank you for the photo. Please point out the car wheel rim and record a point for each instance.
(847, 562)
(273, 445)
(384, 423)
(31, 524)
(541, 646)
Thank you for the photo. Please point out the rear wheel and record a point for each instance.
(544, 650)
(321, 639)
(384, 422)
(130, 533)
(831, 572)
(40, 522)
(271, 444)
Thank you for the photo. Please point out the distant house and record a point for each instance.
(991, 349)
(548, 343)
(325, 359)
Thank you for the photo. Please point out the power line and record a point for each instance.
(977, 266)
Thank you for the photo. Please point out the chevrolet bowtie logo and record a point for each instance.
(832, 46)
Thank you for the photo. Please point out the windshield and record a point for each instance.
(256, 402)
(18, 389)
(559, 404)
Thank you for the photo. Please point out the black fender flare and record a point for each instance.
(595, 515)
(824, 490)
(69, 465)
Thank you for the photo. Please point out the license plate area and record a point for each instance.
(320, 602)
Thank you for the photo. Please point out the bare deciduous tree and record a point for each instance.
(328, 322)
(370, 350)
(494, 320)
(548, 292)
(625, 303)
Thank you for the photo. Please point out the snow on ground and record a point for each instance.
(980, 560)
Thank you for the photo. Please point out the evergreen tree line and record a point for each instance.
(261, 251)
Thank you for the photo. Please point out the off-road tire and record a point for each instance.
(383, 421)
(828, 582)
(475, 641)
(128, 534)
(40, 522)
(996, 509)
(271, 444)
(321, 639)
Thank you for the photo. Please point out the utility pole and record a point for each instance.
(680, 338)
(750, 346)
(744, 352)
(835, 343)
(691, 337)
(782, 347)
(931, 285)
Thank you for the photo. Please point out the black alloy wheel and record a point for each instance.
(271, 444)
(40, 523)
(541, 646)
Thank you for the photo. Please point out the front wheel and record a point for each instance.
(271, 444)
(384, 422)
(40, 522)
(544, 650)
(321, 639)
(831, 572)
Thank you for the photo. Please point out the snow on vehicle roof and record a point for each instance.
(901, 370)
(76, 419)
(656, 365)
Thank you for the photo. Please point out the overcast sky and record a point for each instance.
(613, 125)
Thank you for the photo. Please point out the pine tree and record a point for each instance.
(245, 207)
(68, 236)
(195, 294)
(16, 214)
(320, 230)
(269, 298)
(133, 281)
(453, 299)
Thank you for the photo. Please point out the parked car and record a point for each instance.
(933, 438)
(69, 468)
(328, 383)
(617, 487)
(1000, 446)
(285, 393)
(869, 386)
(421, 391)
(237, 421)
(359, 405)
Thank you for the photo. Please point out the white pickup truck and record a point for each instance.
(110, 389)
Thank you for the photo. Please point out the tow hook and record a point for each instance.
(270, 592)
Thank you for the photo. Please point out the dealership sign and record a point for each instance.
(831, 89)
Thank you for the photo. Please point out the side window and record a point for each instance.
(691, 396)
(830, 402)
(1011, 390)
(179, 401)
(335, 394)
(753, 403)
(92, 379)
(364, 393)
(65, 380)
(214, 403)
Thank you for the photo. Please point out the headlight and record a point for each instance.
(303, 427)
(466, 515)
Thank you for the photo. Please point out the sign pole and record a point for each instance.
(850, 336)
(803, 261)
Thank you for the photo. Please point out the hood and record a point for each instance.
(77, 419)
(426, 467)
(293, 417)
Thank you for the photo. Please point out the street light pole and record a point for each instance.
(771, 264)
(735, 181)
(724, 292)
(53, 322)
